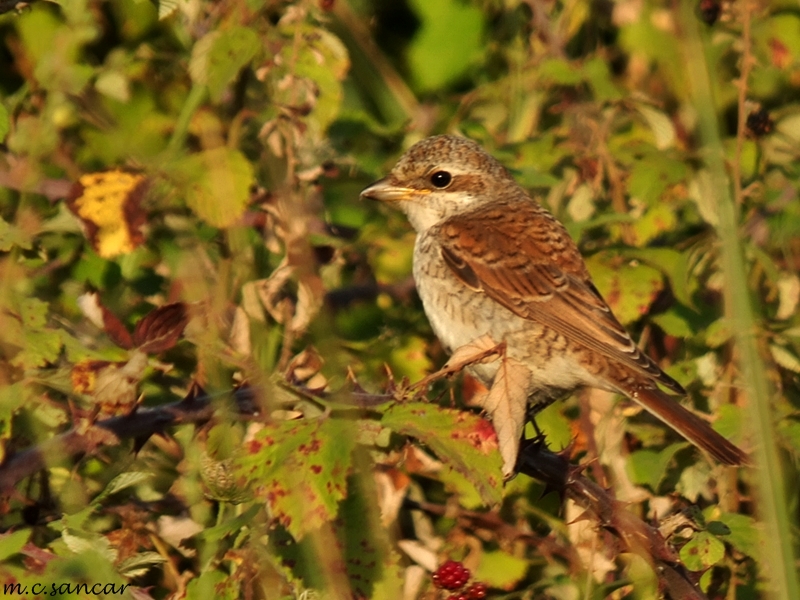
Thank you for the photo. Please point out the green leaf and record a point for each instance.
(299, 469)
(745, 531)
(41, 348)
(653, 174)
(629, 287)
(499, 569)
(702, 551)
(213, 583)
(463, 441)
(694, 482)
(83, 542)
(356, 543)
(219, 186)
(123, 481)
(674, 323)
(5, 125)
(323, 64)
(656, 220)
(138, 564)
(33, 314)
(230, 527)
(12, 543)
(436, 56)
(40, 345)
(597, 73)
(411, 359)
(718, 528)
(660, 124)
(10, 235)
(218, 57)
(648, 467)
(559, 71)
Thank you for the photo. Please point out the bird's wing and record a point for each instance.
(520, 256)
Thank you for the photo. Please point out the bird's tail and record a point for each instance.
(693, 428)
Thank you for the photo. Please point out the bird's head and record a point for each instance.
(439, 177)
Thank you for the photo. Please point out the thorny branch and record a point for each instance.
(535, 460)
(84, 439)
(632, 534)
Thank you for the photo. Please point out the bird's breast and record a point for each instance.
(460, 315)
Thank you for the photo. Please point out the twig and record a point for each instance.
(195, 408)
(633, 534)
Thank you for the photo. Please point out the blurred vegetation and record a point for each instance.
(193, 166)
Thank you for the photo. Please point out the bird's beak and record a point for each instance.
(386, 192)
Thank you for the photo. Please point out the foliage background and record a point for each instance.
(667, 141)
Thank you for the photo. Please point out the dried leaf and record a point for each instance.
(789, 294)
(109, 206)
(506, 403)
(270, 290)
(310, 296)
(785, 358)
(112, 386)
(160, 329)
(94, 310)
(239, 337)
(304, 366)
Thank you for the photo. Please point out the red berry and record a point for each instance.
(457, 597)
(451, 575)
(476, 591)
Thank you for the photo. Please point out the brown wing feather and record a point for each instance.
(520, 256)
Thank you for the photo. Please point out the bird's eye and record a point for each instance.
(441, 179)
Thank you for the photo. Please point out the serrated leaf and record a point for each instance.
(653, 174)
(660, 124)
(122, 481)
(81, 544)
(33, 313)
(160, 329)
(230, 527)
(139, 564)
(745, 531)
(648, 467)
(702, 551)
(463, 441)
(299, 469)
(166, 8)
(11, 235)
(656, 220)
(219, 185)
(499, 569)
(785, 357)
(12, 543)
(629, 287)
(355, 544)
(41, 348)
(218, 57)
(694, 482)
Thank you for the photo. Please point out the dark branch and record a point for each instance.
(632, 534)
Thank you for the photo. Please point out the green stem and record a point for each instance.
(779, 560)
(196, 97)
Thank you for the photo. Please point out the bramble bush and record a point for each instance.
(217, 378)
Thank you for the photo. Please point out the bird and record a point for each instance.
(490, 260)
